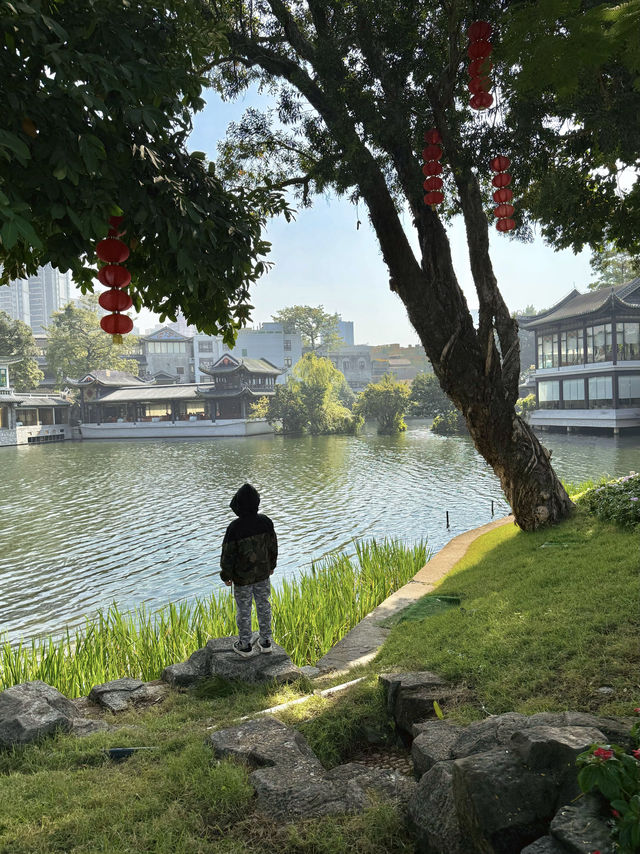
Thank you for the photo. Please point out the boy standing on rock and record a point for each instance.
(249, 556)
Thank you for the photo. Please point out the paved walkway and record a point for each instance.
(362, 643)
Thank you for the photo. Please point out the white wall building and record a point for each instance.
(268, 341)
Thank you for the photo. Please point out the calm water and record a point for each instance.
(87, 523)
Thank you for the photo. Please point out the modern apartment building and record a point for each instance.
(34, 299)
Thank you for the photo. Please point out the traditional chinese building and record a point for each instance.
(588, 360)
(237, 383)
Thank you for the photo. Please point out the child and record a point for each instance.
(249, 555)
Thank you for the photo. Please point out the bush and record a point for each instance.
(450, 423)
(614, 501)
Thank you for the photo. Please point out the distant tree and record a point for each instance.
(310, 400)
(387, 401)
(613, 268)
(427, 397)
(78, 345)
(449, 423)
(527, 311)
(259, 409)
(16, 339)
(316, 326)
(525, 405)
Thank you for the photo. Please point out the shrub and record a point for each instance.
(449, 423)
(614, 501)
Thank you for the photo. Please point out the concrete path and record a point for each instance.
(362, 643)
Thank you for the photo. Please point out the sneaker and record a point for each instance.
(265, 645)
(243, 649)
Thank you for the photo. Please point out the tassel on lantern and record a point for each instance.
(502, 195)
(114, 252)
(432, 168)
(479, 51)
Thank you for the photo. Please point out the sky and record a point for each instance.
(321, 258)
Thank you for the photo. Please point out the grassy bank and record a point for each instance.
(546, 619)
(310, 614)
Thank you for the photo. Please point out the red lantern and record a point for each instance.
(480, 67)
(481, 101)
(112, 251)
(500, 163)
(116, 324)
(502, 179)
(503, 210)
(432, 152)
(433, 184)
(432, 136)
(479, 84)
(115, 300)
(505, 224)
(502, 195)
(479, 50)
(434, 198)
(432, 168)
(113, 276)
(479, 31)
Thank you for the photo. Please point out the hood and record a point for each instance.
(246, 500)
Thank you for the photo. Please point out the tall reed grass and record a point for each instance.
(310, 614)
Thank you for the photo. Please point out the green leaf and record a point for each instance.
(438, 710)
(9, 234)
(16, 145)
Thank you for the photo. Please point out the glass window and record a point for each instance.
(287, 344)
(599, 343)
(573, 394)
(206, 346)
(600, 393)
(548, 350)
(629, 391)
(4, 418)
(244, 351)
(571, 349)
(45, 416)
(4, 378)
(61, 415)
(345, 365)
(287, 363)
(179, 369)
(549, 394)
(628, 341)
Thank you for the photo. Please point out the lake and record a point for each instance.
(88, 523)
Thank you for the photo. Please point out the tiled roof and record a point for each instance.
(254, 366)
(27, 400)
(108, 377)
(152, 392)
(579, 305)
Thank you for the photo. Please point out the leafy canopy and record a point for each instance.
(16, 339)
(316, 326)
(613, 268)
(98, 98)
(387, 401)
(77, 344)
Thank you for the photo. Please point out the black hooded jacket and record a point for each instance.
(250, 545)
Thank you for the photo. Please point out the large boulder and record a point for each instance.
(217, 658)
(581, 827)
(290, 781)
(433, 742)
(120, 694)
(432, 814)
(410, 696)
(34, 709)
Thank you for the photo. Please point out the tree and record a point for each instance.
(77, 344)
(387, 401)
(427, 397)
(310, 400)
(16, 339)
(613, 268)
(358, 83)
(315, 325)
(97, 106)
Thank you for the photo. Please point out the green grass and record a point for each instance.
(546, 619)
(310, 615)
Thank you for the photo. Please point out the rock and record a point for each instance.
(545, 845)
(283, 794)
(83, 727)
(118, 695)
(432, 815)
(616, 730)
(488, 734)
(410, 696)
(502, 806)
(544, 748)
(266, 742)
(310, 671)
(381, 781)
(433, 743)
(217, 658)
(34, 709)
(581, 828)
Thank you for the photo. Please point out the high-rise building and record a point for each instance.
(35, 299)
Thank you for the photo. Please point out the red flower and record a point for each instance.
(601, 753)
(637, 710)
(636, 753)
(615, 813)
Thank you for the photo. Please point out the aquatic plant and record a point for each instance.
(310, 614)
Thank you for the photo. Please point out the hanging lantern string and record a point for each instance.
(432, 168)
(114, 252)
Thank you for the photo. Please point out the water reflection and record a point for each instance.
(86, 523)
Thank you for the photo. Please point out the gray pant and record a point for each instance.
(260, 591)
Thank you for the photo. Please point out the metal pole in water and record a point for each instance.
(492, 508)
(447, 518)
